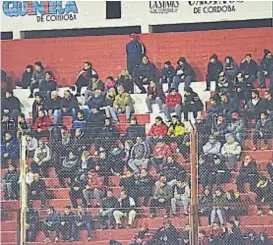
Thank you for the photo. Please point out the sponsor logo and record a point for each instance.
(163, 7)
(43, 10)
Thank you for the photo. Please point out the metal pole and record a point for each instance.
(194, 190)
(23, 190)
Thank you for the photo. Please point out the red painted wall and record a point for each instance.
(107, 53)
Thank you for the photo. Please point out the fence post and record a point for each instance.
(23, 190)
(194, 189)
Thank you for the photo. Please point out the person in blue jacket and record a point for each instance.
(51, 223)
(134, 130)
(9, 148)
(135, 51)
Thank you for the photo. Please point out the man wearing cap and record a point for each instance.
(215, 66)
(266, 69)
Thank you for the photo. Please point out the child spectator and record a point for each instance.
(37, 190)
(10, 183)
(83, 222)
(155, 95)
(134, 130)
(37, 77)
(167, 74)
(125, 80)
(266, 69)
(47, 85)
(173, 104)
(110, 83)
(184, 73)
(32, 224)
(215, 66)
(26, 78)
(51, 223)
(68, 225)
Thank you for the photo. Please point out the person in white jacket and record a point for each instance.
(231, 150)
(212, 147)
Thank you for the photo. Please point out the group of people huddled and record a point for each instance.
(87, 155)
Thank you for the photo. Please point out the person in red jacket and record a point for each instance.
(42, 125)
(156, 95)
(160, 153)
(159, 129)
(173, 104)
(94, 188)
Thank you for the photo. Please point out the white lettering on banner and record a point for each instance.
(163, 7)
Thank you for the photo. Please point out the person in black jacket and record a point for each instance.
(32, 223)
(108, 205)
(69, 105)
(183, 73)
(192, 103)
(38, 105)
(167, 74)
(242, 89)
(268, 96)
(134, 130)
(249, 69)
(145, 73)
(76, 189)
(68, 225)
(167, 235)
(47, 85)
(10, 183)
(53, 107)
(215, 66)
(266, 69)
(270, 170)
(37, 190)
(125, 80)
(37, 77)
(214, 110)
(8, 125)
(264, 193)
(11, 105)
(51, 223)
(83, 222)
(94, 83)
(128, 183)
(232, 235)
(26, 78)
(135, 51)
(248, 173)
(230, 68)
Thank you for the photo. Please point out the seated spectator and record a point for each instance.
(125, 80)
(182, 195)
(8, 124)
(79, 122)
(236, 127)
(32, 224)
(218, 172)
(176, 129)
(158, 129)
(127, 150)
(212, 147)
(216, 234)
(219, 128)
(86, 161)
(249, 68)
(236, 210)
(23, 126)
(128, 183)
(10, 183)
(9, 149)
(251, 238)
(79, 143)
(166, 235)
(93, 84)
(110, 83)
(53, 107)
(215, 66)
(41, 125)
(263, 239)
(155, 95)
(218, 198)
(248, 173)
(254, 107)
(230, 68)
(162, 198)
(192, 103)
(11, 105)
(145, 73)
(69, 169)
(37, 77)
(38, 105)
(117, 161)
(214, 110)
(109, 104)
(232, 234)
(204, 199)
(139, 157)
(144, 184)
(203, 238)
(84, 76)
(95, 122)
(103, 165)
(5, 83)
(269, 102)
(68, 225)
(96, 101)
(266, 69)
(83, 222)
(134, 130)
(51, 223)
(270, 170)
(126, 208)
(167, 74)
(93, 189)
(142, 237)
(124, 103)
(32, 144)
(47, 85)
(173, 104)
(264, 193)
(183, 73)
(26, 78)
(37, 190)
(263, 131)
(223, 85)
(229, 106)
(242, 89)
(231, 150)
(185, 236)
(76, 189)
(108, 205)
(42, 157)
(160, 153)
(69, 105)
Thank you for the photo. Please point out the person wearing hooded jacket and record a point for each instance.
(167, 74)
(37, 77)
(215, 66)
(249, 69)
(184, 73)
(26, 78)
(230, 68)
(236, 127)
(134, 130)
(265, 69)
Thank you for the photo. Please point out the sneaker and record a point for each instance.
(120, 226)
(260, 213)
(47, 240)
(72, 239)
(56, 239)
(270, 212)
(89, 238)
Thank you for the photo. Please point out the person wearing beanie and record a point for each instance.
(265, 69)
(215, 66)
(167, 74)
(249, 69)
(26, 78)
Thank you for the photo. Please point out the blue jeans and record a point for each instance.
(219, 214)
(111, 112)
(128, 112)
(70, 112)
(32, 232)
(187, 80)
(262, 78)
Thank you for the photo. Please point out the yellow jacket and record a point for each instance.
(176, 130)
(121, 101)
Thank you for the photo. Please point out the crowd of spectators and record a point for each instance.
(234, 108)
